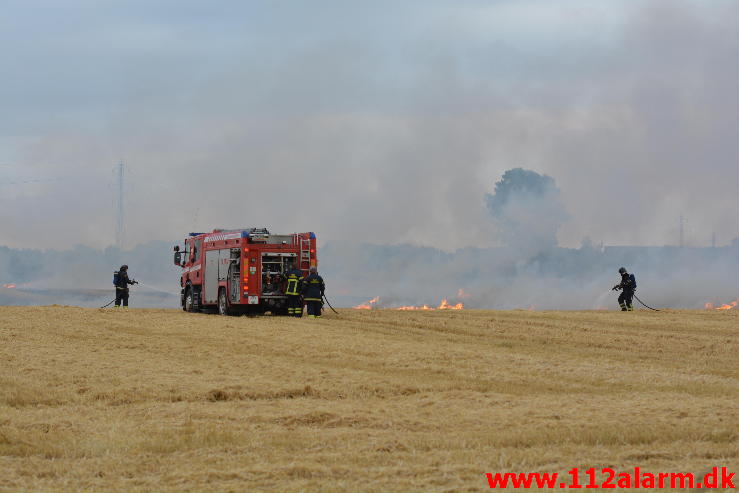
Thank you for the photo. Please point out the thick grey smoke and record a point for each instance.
(377, 123)
(84, 276)
(397, 115)
(529, 271)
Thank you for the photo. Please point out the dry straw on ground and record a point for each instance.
(160, 400)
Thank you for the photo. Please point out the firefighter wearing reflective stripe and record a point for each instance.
(628, 286)
(293, 290)
(313, 289)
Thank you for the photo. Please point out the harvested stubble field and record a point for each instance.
(160, 400)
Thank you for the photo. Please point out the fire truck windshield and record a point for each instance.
(195, 253)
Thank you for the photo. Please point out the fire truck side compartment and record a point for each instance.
(234, 278)
(217, 263)
(274, 264)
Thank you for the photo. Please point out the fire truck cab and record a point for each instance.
(237, 271)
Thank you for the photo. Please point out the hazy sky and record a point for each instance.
(372, 121)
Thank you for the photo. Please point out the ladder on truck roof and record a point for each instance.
(304, 253)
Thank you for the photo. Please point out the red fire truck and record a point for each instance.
(241, 270)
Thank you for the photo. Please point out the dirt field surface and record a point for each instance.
(161, 400)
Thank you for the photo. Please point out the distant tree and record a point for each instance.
(528, 210)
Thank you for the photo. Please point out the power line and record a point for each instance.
(25, 182)
(120, 224)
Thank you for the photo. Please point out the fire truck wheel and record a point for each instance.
(189, 300)
(223, 305)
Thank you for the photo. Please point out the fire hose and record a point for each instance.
(640, 301)
(617, 287)
(329, 305)
(113, 300)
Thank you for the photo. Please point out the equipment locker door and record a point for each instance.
(210, 279)
(216, 270)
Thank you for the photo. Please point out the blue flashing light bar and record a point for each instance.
(196, 234)
(312, 236)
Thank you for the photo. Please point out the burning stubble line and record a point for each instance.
(375, 303)
(726, 306)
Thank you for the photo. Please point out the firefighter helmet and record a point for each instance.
(622, 270)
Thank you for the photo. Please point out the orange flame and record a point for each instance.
(444, 305)
(368, 305)
(726, 306)
(9, 286)
(424, 307)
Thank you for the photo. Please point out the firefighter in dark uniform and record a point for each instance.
(121, 281)
(313, 289)
(294, 287)
(627, 287)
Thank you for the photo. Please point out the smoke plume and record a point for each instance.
(306, 119)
